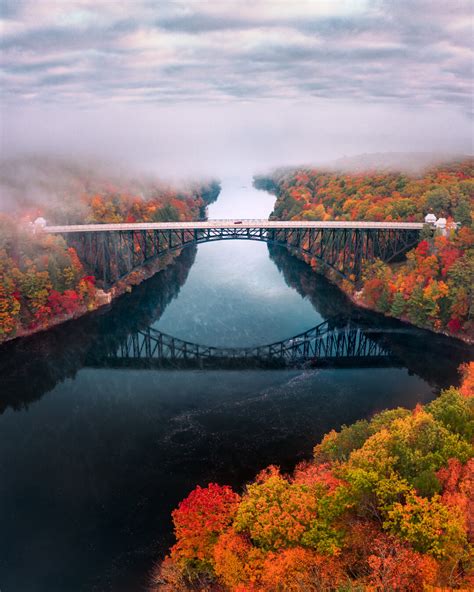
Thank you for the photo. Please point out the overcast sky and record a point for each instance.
(182, 86)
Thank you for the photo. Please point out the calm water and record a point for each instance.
(93, 460)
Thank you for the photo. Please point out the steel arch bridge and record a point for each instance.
(323, 345)
(112, 251)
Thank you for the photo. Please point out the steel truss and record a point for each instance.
(111, 255)
(322, 345)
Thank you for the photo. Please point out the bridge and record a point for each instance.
(112, 251)
(325, 345)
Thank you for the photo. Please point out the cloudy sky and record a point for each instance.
(189, 84)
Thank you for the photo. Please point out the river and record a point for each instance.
(93, 458)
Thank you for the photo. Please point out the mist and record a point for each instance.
(189, 140)
(182, 89)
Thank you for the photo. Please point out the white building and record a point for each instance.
(441, 225)
(39, 224)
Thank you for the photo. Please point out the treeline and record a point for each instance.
(385, 504)
(42, 280)
(313, 194)
(66, 192)
(156, 205)
(434, 288)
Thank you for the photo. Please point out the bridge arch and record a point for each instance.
(115, 251)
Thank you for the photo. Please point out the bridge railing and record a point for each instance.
(231, 223)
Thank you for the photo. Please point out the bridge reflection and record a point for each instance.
(33, 366)
(335, 342)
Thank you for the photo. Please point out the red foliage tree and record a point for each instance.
(312, 474)
(199, 520)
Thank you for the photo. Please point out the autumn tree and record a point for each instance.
(198, 522)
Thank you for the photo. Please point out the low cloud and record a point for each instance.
(182, 86)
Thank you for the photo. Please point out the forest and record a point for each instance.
(385, 504)
(42, 280)
(433, 288)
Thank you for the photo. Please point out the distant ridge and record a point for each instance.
(410, 162)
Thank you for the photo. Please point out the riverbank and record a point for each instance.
(101, 299)
(356, 298)
(384, 503)
(433, 287)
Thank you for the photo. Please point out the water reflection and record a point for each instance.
(434, 358)
(336, 343)
(31, 367)
(34, 366)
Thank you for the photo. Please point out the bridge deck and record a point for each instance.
(252, 223)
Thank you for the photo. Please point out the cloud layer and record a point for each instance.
(86, 52)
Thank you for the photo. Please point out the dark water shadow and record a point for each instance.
(32, 366)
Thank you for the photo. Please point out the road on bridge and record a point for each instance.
(234, 223)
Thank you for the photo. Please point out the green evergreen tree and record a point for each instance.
(398, 305)
(463, 212)
(167, 213)
(438, 200)
(416, 307)
(383, 305)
